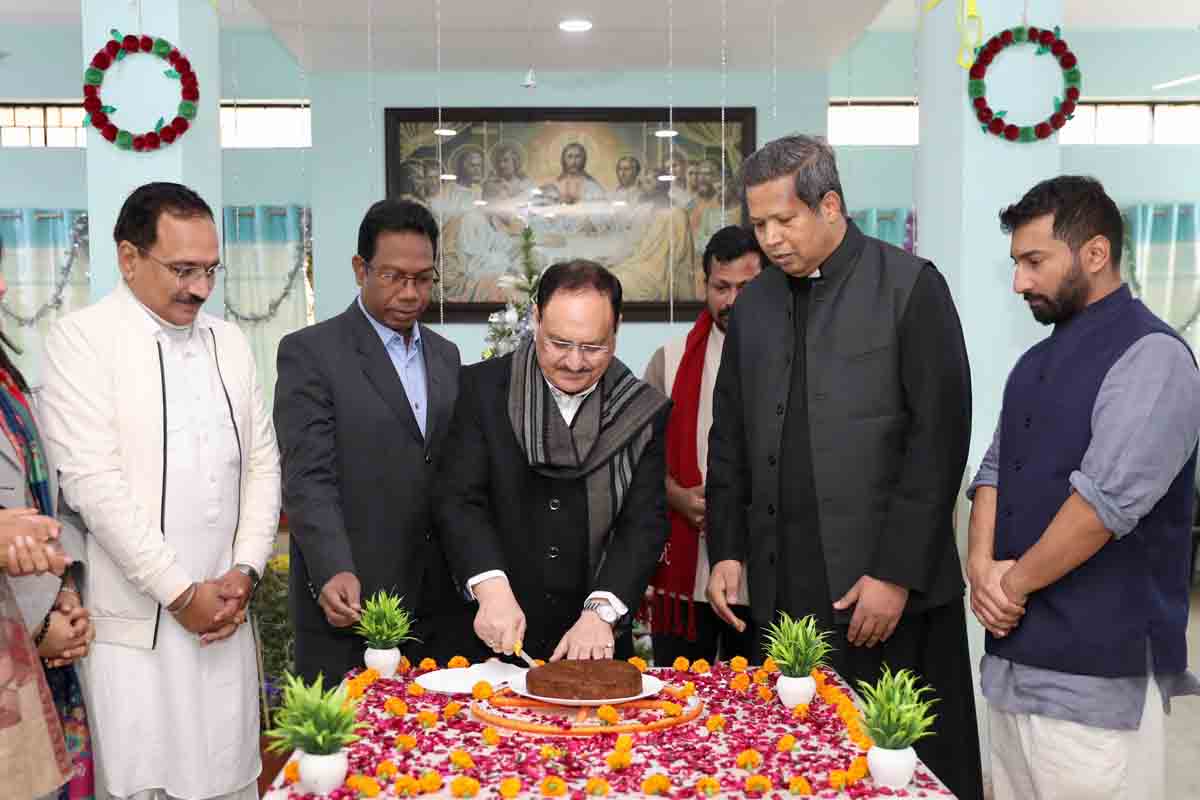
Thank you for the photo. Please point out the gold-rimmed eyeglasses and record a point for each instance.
(393, 279)
(588, 352)
(184, 272)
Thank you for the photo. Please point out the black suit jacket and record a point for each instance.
(357, 476)
(495, 512)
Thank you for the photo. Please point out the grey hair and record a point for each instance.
(809, 159)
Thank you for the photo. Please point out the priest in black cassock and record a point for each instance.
(841, 424)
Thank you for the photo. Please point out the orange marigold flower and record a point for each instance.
(431, 782)
(681, 664)
(798, 785)
(640, 663)
(386, 770)
(818, 676)
(368, 676)
(748, 759)
(758, 784)
(624, 743)
(407, 786)
(837, 779)
(785, 743)
(553, 786)
(715, 723)
(708, 785)
(656, 784)
(510, 787)
(608, 715)
(769, 665)
(688, 689)
(740, 682)
(700, 666)
(672, 709)
(491, 736)
(738, 664)
(482, 690)
(354, 689)
(458, 662)
(858, 769)
(415, 690)
(761, 676)
(427, 664)
(452, 710)
(618, 759)
(549, 752)
(404, 742)
(395, 706)
(597, 787)
(461, 759)
(463, 786)
(765, 694)
(365, 786)
(291, 773)
(404, 666)
(427, 719)
(800, 711)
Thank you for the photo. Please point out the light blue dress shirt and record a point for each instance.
(408, 358)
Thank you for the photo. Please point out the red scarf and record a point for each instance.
(675, 579)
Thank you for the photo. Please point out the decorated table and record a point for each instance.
(710, 730)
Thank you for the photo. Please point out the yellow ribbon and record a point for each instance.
(970, 29)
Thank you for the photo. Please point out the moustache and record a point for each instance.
(190, 300)
(1030, 297)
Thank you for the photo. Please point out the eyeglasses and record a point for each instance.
(588, 352)
(186, 273)
(400, 280)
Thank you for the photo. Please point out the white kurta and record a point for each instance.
(181, 717)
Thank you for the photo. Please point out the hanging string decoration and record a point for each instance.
(100, 115)
(79, 245)
(299, 266)
(1047, 42)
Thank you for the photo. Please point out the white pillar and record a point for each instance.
(142, 95)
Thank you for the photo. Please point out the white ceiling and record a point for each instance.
(234, 13)
(901, 15)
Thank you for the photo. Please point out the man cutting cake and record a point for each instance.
(553, 505)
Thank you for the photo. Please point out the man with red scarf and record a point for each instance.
(681, 621)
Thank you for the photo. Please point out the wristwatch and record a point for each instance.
(603, 609)
(251, 573)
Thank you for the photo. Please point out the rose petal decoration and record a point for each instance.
(146, 44)
(112, 48)
(109, 132)
(1012, 132)
(130, 43)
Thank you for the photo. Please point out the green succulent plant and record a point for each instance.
(796, 646)
(312, 719)
(385, 623)
(896, 712)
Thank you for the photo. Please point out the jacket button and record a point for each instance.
(429, 537)
(821, 395)
(428, 458)
(555, 504)
(1008, 511)
(1041, 377)
(1018, 464)
(771, 460)
(779, 410)
(771, 558)
(770, 511)
(1028, 421)
(552, 552)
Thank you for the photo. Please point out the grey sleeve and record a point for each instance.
(656, 371)
(1145, 425)
(989, 469)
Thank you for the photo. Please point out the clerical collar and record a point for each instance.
(844, 255)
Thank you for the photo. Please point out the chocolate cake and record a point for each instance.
(602, 679)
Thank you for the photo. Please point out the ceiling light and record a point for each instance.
(666, 133)
(575, 25)
(619, 203)
(1178, 82)
(667, 178)
(481, 202)
(445, 132)
(535, 191)
(449, 176)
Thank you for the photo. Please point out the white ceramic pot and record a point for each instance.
(384, 662)
(892, 768)
(322, 774)
(795, 691)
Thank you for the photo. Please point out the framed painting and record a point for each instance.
(594, 183)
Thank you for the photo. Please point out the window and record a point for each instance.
(874, 123)
(242, 125)
(1177, 123)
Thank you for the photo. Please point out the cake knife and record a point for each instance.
(521, 652)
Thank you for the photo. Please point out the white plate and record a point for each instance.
(650, 687)
(461, 681)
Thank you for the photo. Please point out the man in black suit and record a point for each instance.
(553, 505)
(362, 407)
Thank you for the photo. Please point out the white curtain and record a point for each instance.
(37, 248)
(267, 290)
(1162, 265)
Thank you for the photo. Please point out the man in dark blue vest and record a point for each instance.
(1081, 523)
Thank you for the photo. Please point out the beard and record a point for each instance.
(1069, 300)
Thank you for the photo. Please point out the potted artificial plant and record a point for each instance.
(797, 647)
(895, 714)
(317, 724)
(384, 624)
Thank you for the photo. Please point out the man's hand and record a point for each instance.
(500, 622)
(877, 609)
(340, 599)
(723, 586)
(28, 543)
(989, 603)
(68, 636)
(206, 612)
(235, 588)
(589, 637)
(688, 502)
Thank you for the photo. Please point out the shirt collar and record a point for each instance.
(152, 324)
(386, 334)
(562, 397)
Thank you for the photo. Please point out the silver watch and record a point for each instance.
(250, 572)
(603, 609)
